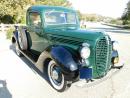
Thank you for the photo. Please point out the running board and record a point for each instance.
(31, 57)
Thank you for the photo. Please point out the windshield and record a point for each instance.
(55, 18)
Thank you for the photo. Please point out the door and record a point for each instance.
(35, 29)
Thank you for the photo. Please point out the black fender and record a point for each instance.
(15, 36)
(114, 55)
(65, 60)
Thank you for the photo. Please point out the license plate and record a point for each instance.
(86, 73)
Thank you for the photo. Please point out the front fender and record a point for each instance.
(15, 36)
(64, 58)
(115, 57)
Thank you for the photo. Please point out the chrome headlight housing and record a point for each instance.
(85, 51)
(115, 45)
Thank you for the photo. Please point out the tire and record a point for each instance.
(56, 77)
(17, 50)
(22, 39)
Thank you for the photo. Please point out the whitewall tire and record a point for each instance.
(56, 77)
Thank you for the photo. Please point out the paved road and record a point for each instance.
(19, 80)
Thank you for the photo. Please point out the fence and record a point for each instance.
(5, 27)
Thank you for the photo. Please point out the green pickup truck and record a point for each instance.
(54, 42)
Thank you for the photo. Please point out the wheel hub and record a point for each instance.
(55, 75)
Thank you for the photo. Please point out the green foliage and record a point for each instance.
(7, 19)
(79, 15)
(126, 15)
(91, 17)
(54, 2)
(116, 21)
(9, 33)
(13, 11)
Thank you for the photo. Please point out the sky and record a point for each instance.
(110, 8)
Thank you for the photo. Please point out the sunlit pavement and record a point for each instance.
(23, 82)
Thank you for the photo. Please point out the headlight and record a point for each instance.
(115, 45)
(85, 52)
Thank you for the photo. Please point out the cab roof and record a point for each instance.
(42, 8)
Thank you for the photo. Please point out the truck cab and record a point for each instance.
(54, 42)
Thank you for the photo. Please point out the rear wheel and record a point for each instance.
(22, 39)
(56, 77)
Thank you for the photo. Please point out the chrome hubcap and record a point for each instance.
(55, 74)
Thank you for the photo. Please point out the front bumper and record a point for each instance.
(72, 76)
(115, 57)
(89, 83)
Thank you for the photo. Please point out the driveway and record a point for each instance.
(19, 79)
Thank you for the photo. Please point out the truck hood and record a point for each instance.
(83, 34)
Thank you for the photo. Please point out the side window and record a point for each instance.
(35, 19)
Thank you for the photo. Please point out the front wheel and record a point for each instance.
(56, 77)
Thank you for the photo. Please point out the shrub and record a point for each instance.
(116, 21)
(9, 33)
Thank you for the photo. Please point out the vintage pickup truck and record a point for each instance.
(53, 40)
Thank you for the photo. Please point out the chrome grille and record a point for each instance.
(103, 55)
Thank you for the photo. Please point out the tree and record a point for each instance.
(54, 2)
(79, 15)
(13, 11)
(126, 15)
(90, 17)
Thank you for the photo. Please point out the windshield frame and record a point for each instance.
(65, 23)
